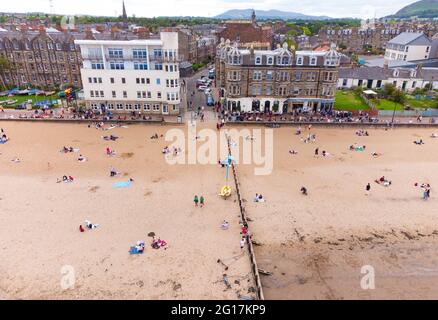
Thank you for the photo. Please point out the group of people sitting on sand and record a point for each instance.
(68, 150)
(65, 179)
(383, 181)
(155, 136)
(355, 147)
(362, 133)
(419, 142)
(110, 138)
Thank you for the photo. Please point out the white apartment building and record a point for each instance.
(409, 46)
(136, 75)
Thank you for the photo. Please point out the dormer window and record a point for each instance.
(313, 61)
(258, 60)
(299, 61)
(285, 60)
(270, 60)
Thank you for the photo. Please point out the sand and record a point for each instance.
(316, 245)
(39, 219)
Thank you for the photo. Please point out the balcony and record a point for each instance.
(167, 59)
(92, 56)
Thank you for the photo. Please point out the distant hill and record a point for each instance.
(245, 14)
(421, 9)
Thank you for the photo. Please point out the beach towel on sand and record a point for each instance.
(122, 184)
(134, 250)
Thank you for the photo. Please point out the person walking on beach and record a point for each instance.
(202, 201)
(316, 152)
(368, 188)
(196, 200)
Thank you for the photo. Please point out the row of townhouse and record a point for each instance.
(406, 79)
(280, 80)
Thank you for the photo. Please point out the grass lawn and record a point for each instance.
(422, 103)
(21, 99)
(347, 100)
(383, 104)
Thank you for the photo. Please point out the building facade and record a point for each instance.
(409, 46)
(372, 36)
(136, 75)
(405, 79)
(281, 80)
(40, 59)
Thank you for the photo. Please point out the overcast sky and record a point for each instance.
(151, 8)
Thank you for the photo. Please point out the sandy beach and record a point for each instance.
(39, 219)
(314, 245)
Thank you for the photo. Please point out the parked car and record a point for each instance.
(210, 100)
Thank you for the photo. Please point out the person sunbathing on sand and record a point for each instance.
(419, 142)
(376, 154)
(110, 152)
(65, 179)
(225, 225)
(82, 158)
(16, 160)
(304, 191)
(384, 182)
(434, 135)
(113, 172)
(90, 226)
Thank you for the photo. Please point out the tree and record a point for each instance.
(398, 96)
(388, 90)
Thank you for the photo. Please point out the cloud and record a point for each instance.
(149, 8)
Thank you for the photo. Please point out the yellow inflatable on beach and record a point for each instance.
(225, 191)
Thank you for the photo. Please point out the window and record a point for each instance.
(125, 94)
(110, 106)
(117, 66)
(297, 76)
(140, 66)
(270, 60)
(90, 80)
(111, 80)
(158, 66)
(258, 60)
(102, 95)
(114, 95)
(147, 107)
(123, 80)
(300, 61)
(119, 106)
(128, 106)
(158, 53)
(313, 61)
(140, 53)
(257, 75)
(158, 81)
(269, 75)
(159, 95)
(115, 53)
(268, 90)
(149, 94)
(138, 94)
(136, 107)
(97, 66)
(92, 94)
(156, 107)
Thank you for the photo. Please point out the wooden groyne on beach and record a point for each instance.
(253, 261)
